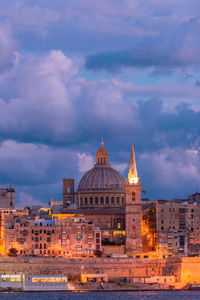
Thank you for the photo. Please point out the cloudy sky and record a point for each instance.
(74, 71)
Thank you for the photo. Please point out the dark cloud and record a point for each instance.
(168, 51)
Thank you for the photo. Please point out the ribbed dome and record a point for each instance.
(102, 178)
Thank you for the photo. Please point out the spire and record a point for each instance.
(132, 173)
(102, 143)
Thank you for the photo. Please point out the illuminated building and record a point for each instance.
(58, 237)
(99, 198)
(173, 227)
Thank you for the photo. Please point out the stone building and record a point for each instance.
(7, 197)
(103, 198)
(172, 227)
(69, 237)
(100, 199)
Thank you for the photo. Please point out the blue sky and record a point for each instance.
(74, 71)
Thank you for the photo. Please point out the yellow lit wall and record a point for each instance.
(190, 270)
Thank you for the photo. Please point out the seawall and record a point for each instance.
(115, 268)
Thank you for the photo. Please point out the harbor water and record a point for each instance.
(174, 295)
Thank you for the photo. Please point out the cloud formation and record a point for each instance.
(71, 73)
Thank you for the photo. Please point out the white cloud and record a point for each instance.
(171, 171)
(23, 163)
(85, 162)
(121, 167)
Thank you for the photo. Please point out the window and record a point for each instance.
(112, 200)
(109, 225)
(101, 200)
(91, 200)
(117, 200)
(107, 200)
(96, 200)
(86, 200)
(68, 190)
(133, 196)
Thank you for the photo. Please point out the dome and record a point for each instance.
(102, 178)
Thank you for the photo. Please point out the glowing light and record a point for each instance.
(133, 180)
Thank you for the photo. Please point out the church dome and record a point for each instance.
(102, 178)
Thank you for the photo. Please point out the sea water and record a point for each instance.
(174, 295)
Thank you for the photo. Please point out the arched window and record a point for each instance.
(107, 200)
(117, 200)
(101, 200)
(81, 201)
(91, 200)
(112, 200)
(133, 196)
(96, 200)
(86, 200)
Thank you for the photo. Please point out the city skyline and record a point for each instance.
(73, 72)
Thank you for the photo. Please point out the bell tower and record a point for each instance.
(133, 208)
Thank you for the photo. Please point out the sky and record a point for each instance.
(74, 71)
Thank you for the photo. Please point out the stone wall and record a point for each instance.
(190, 270)
(186, 269)
(113, 267)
